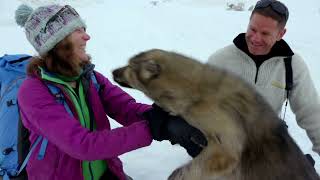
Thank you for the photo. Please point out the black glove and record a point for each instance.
(189, 137)
(310, 159)
(158, 120)
(164, 126)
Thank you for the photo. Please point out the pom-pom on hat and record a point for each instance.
(22, 14)
(47, 25)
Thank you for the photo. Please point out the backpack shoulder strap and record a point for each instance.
(23, 165)
(289, 74)
(57, 93)
(289, 81)
(59, 98)
(95, 81)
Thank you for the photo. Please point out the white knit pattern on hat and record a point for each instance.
(45, 28)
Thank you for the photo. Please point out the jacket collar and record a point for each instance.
(280, 48)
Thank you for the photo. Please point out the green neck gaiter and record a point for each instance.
(69, 79)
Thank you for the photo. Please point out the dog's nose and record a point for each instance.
(116, 73)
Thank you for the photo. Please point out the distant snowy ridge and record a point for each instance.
(75, 3)
(228, 4)
(237, 5)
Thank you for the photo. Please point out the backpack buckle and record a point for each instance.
(2, 172)
(59, 97)
(10, 103)
(7, 151)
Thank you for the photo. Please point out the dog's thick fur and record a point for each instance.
(246, 139)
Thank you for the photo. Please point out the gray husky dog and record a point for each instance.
(246, 138)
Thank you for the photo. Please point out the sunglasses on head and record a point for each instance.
(63, 15)
(276, 6)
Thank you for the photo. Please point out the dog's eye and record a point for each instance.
(133, 66)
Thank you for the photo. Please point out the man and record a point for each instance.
(259, 55)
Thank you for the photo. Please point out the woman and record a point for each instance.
(81, 144)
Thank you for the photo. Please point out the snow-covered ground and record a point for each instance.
(120, 29)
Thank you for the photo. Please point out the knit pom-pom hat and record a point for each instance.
(47, 25)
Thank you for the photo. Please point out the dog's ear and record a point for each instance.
(150, 70)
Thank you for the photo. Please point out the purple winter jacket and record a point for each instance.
(69, 142)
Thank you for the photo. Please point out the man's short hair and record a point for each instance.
(273, 9)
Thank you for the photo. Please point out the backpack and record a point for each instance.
(12, 74)
(15, 148)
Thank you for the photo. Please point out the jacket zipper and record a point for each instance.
(78, 99)
(256, 77)
(90, 170)
(91, 113)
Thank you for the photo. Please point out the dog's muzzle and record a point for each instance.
(118, 77)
